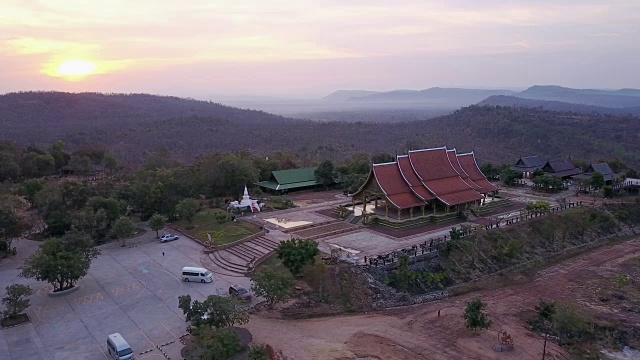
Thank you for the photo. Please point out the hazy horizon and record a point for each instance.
(308, 49)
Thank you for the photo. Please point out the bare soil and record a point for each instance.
(418, 333)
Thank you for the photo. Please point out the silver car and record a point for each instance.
(168, 237)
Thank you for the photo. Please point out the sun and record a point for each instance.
(75, 68)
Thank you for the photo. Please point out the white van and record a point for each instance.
(118, 348)
(196, 274)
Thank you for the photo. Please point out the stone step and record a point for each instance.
(227, 265)
(263, 249)
(239, 253)
(267, 244)
(268, 241)
(249, 250)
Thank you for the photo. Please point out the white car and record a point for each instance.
(168, 237)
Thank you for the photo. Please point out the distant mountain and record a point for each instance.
(344, 95)
(131, 126)
(445, 97)
(606, 98)
(503, 100)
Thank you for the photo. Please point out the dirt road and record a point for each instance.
(418, 333)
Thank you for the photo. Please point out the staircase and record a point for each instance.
(235, 260)
(490, 207)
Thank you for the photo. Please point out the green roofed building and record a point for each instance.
(292, 179)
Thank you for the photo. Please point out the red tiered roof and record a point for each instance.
(470, 166)
(453, 158)
(438, 175)
(412, 179)
(394, 186)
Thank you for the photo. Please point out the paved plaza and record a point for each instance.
(132, 290)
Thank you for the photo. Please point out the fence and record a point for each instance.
(432, 245)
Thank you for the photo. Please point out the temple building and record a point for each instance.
(425, 180)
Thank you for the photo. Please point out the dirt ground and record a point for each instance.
(309, 197)
(418, 333)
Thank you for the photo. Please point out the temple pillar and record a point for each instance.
(411, 213)
(422, 207)
(446, 211)
(434, 207)
(376, 203)
(386, 210)
(399, 210)
(364, 202)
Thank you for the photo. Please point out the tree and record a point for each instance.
(324, 173)
(215, 311)
(272, 285)
(30, 187)
(510, 177)
(187, 209)
(11, 226)
(61, 262)
(123, 228)
(34, 164)
(216, 344)
(296, 253)
(546, 311)
(539, 206)
(608, 191)
(597, 180)
(15, 300)
(9, 168)
(258, 352)
(60, 157)
(475, 317)
(156, 223)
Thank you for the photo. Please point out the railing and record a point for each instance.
(432, 245)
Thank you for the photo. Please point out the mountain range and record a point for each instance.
(134, 125)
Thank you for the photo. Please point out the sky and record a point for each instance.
(309, 48)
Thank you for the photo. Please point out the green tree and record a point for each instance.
(123, 228)
(546, 312)
(113, 208)
(30, 188)
(61, 262)
(597, 180)
(324, 173)
(569, 325)
(187, 209)
(539, 206)
(60, 157)
(15, 300)
(11, 227)
(156, 223)
(9, 168)
(510, 177)
(537, 173)
(34, 164)
(258, 352)
(474, 316)
(608, 191)
(297, 253)
(217, 344)
(221, 217)
(272, 285)
(215, 311)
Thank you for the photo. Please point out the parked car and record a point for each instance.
(239, 292)
(168, 237)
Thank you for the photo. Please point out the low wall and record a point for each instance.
(209, 249)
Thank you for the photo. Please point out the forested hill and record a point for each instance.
(69, 109)
(503, 100)
(132, 126)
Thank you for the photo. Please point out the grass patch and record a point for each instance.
(222, 233)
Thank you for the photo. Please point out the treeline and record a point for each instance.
(93, 204)
(132, 126)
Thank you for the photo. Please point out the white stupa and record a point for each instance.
(246, 203)
(246, 200)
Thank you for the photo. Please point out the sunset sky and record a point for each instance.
(304, 48)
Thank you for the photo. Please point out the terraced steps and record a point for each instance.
(236, 259)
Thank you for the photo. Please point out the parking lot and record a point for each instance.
(131, 290)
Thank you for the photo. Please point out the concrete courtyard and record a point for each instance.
(131, 290)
